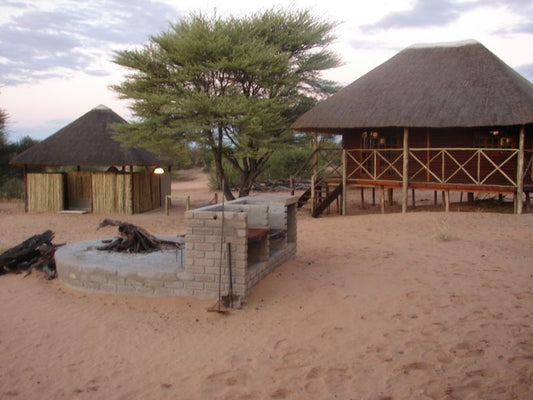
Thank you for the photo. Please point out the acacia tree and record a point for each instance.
(231, 85)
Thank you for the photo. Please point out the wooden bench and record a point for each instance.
(169, 197)
(255, 235)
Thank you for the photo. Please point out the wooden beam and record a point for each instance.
(315, 171)
(362, 197)
(132, 191)
(405, 174)
(382, 198)
(344, 185)
(25, 188)
(520, 171)
(446, 200)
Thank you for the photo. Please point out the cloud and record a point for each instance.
(373, 45)
(423, 14)
(526, 71)
(38, 43)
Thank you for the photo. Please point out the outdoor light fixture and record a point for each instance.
(495, 133)
(159, 171)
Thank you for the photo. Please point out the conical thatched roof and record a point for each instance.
(87, 141)
(448, 85)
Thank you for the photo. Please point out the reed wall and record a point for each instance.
(45, 192)
(111, 193)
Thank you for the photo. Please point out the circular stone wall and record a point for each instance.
(81, 266)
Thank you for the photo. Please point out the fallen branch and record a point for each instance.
(36, 252)
(134, 239)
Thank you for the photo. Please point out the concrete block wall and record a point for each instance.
(208, 231)
(81, 266)
(206, 252)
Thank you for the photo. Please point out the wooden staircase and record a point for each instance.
(304, 198)
(326, 202)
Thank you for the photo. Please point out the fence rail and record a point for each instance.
(438, 165)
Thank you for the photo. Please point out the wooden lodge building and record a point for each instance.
(445, 117)
(82, 168)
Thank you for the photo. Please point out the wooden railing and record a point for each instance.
(470, 166)
(325, 164)
(468, 169)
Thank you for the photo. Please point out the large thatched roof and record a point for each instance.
(447, 85)
(87, 141)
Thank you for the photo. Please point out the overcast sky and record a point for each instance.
(55, 55)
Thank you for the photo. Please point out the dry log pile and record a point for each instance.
(36, 252)
(133, 239)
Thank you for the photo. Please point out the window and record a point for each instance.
(373, 140)
(494, 139)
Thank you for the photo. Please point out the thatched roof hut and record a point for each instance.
(459, 84)
(87, 142)
(449, 116)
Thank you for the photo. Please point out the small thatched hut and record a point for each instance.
(90, 171)
(446, 117)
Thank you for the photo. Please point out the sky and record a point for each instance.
(55, 55)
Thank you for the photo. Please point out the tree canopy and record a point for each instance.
(231, 85)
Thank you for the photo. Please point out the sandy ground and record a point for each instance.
(425, 305)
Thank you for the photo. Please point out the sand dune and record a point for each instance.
(414, 306)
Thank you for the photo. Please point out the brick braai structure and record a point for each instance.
(260, 232)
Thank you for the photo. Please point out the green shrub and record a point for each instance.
(13, 188)
(286, 162)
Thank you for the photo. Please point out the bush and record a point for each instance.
(13, 188)
(286, 162)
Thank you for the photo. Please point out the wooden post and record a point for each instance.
(382, 198)
(391, 196)
(373, 196)
(428, 153)
(291, 184)
(435, 197)
(25, 188)
(520, 171)
(528, 202)
(92, 193)
(446, 200)
(315, 170)
(362, 197)
(344, 182)
(413, 196)
(405, 181)
(132, 191)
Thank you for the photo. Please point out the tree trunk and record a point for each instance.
(247, 179)
(221, 176)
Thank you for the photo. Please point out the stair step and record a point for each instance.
(327, 201)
